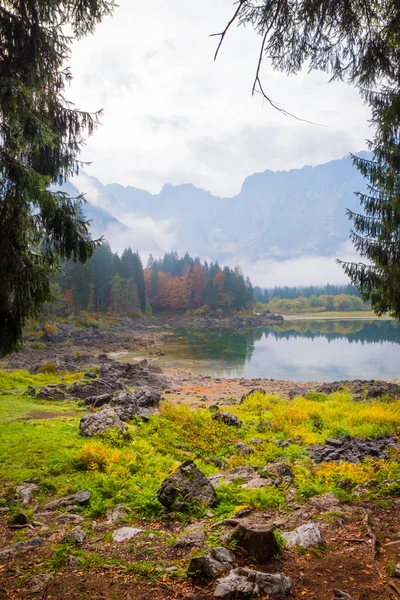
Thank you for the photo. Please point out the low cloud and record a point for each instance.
(301, 271)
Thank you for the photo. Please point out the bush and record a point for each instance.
(48, 367)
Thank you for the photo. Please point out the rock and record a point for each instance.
(353, 449)
(113, 515)
(369, 486)
(306, 535)
(227, 418)
(219, 560)
(244, 583)
(147, 397)
(215, 461)
(187, 486)
(21, 547)
(258, 541)
(246, 474)
(39, 582)
(341, 595)
(69, 518)
(397, 571)
(192, 536)
(74, 562)
(26, 490)
(90, 375)
(124, 534)
(81, 497)
(20, 519)
(77, 535)
(30, 391)
(242, 448)
(99, 422)
(51, 393)
(95, 388)
(364, 390)
(98, 401)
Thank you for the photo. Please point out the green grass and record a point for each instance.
(129, 471)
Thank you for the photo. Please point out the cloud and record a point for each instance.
(170, 109)
(301, 271)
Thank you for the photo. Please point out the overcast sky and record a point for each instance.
(173, 115)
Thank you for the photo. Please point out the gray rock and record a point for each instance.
(246, 474)
(244, 583)
(147, 397)
(95, 388)
(306, 535)
(39, 582)
(99, 422)
(21, 547)
(77, 535)
(51, 393)
(124, 534)
(26, 490)
(81, 497)
(69, 518)
(227, 418)
(219, 560)
(187, 486)
(397, 571)
(341, 595)
(245, 449)
(192, 536)
(20, 519)
(113, 515)
(258, 541)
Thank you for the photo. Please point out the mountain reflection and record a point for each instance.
(299, 350)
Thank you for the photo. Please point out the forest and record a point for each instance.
(120, 285)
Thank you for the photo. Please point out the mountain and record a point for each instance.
(277, 214)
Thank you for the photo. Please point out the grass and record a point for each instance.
(335, 314)
(129, 471)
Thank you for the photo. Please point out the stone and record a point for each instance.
(187, 486)
(341, 595)
(99, 422)
(21, 547)
(258, 541)
(245, 449)
(113, 515)
(96, 387)
(20, 519)
(26, 490)
(30, 391)
(69, 518)
(397, 571)
(53, 393)
(192, 536)
(124, 534)
(306, 535)
(90, 375)
(227, 418)
(147, 397)
(244, 583)
(82, 497)
(333, 442)
(219, 560)
(38, 583)
(77, 535)
(245, 474)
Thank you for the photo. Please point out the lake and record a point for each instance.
(325, 350)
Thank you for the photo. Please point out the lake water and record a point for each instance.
(300, 350)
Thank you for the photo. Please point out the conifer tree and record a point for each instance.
(41, 137)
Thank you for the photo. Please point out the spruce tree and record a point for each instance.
(41, 137)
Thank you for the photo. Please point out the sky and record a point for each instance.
(173, 115)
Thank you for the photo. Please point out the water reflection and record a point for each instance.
(301, 350)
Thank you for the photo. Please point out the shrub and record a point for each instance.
(48, 367)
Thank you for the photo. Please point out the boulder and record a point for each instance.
(147, 397)
(21, 547)
(306, 535)
(187, 486)
(38, 583)
(113, 515)
(76, 535)
(124, 534)
(258, 541)
(244, 583)
(82, 497)
(99, 422)
(245, 449)
(96, 387)
(192, 536)
(26, 490)
(219, 560)
(227, 418)
(51, 393)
